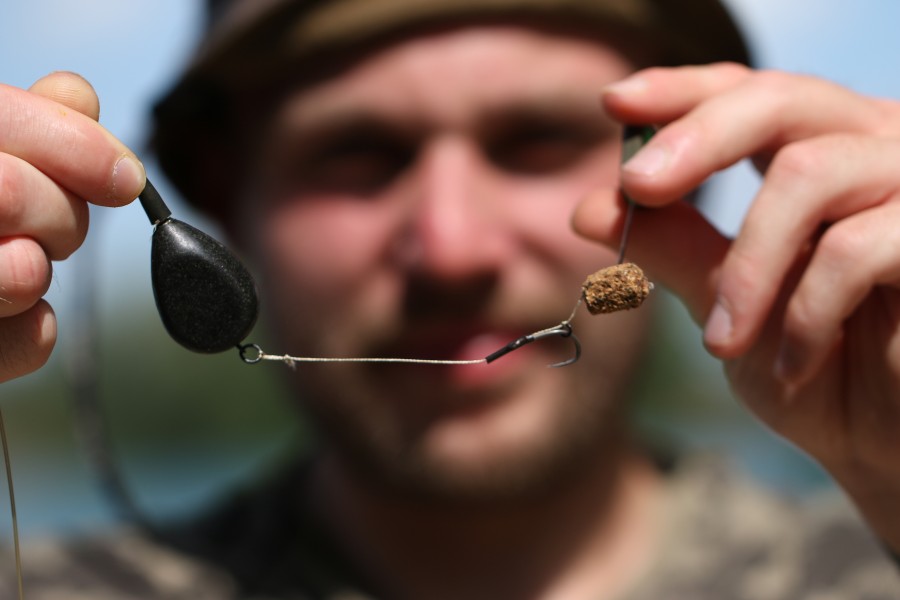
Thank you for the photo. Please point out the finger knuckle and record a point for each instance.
(11, 190)
(742, 274)
(803, 314)
(660, 71)
(841, 248)
(26, 341)
(836, 259)
(778, 93)
(72, 232)
(26, 272)
(82, 218)
(886, 113)
(731, 70)
(801, 159)
(772, 83)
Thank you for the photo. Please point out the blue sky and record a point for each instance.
(132, 49)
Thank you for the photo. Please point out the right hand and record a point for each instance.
(54, 159)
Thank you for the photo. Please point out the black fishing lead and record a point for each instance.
(205, 296)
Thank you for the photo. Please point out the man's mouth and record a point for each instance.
(451, 342)
(462, 343)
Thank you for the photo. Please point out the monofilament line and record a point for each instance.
(414, 361)
(12, 506)
(252, 353)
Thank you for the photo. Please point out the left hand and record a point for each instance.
(804, 304)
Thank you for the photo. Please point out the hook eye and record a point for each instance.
(564, 329)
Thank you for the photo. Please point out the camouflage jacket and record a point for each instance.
(725, 538)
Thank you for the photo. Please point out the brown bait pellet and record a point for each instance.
(615, 288)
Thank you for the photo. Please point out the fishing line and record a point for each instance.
(12, 506)
(253, 353)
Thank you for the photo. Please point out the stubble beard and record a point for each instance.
(586, 431)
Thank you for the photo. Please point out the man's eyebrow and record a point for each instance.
(549, 102)
(342, 125)
(551, 109)
(319, 122)
(317, 125)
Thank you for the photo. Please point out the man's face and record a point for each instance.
(417, 205)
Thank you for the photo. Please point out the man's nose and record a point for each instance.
(456, 230)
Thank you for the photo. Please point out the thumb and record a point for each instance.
(70, 90)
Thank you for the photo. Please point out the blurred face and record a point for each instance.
(417, 205)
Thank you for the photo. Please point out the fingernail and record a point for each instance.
(649, 161)
(128, 179)
(626, 87)
(719, 326)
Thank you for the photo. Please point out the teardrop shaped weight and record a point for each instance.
(206, 298)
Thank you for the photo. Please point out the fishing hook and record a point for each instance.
(564, 329)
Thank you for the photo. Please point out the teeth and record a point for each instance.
(615, 288)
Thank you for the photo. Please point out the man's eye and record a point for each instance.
(541, 150)
(358, 170)
(353, 165)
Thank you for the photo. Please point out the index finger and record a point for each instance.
(726, 118)
(662, 94)
(69, 147)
